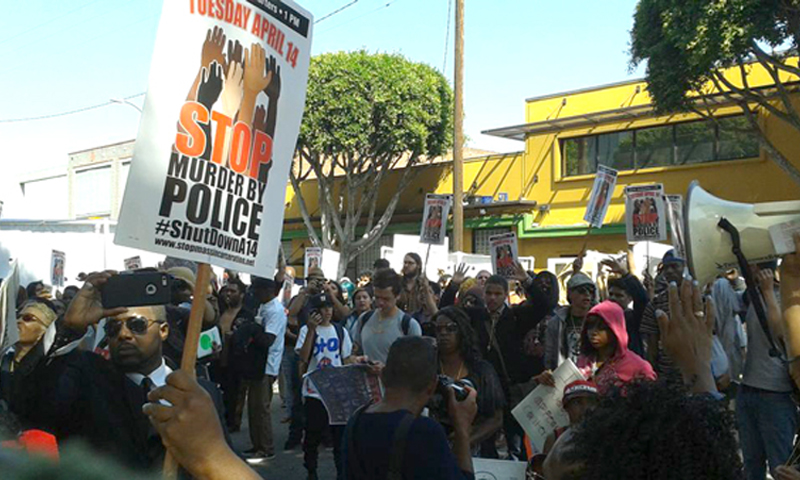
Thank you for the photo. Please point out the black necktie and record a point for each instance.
(146, 386)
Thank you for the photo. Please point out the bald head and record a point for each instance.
(156, 313)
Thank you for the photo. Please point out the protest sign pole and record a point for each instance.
(425, 267)
(586, 241)
(189, 357)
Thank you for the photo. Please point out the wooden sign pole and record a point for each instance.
(189, 358)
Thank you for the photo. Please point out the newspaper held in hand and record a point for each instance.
(782, 236)
(486, 469)
(645, 213)
(541, 412)
(344, 389)
(503, 250)
(602, 191)
(434, 219)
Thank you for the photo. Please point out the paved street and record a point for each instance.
(285, 465)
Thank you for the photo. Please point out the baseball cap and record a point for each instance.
(321, 300)
(579, 279)
(671, 257)
(579, 388)
(315, 272)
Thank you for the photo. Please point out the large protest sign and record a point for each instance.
(345, 389)
(675, 209)
(330, 263)
(602, 191)
(57, 262)
(486, 469)
(645, 213)
(540, 412)
(503, 250)
(224, 103)
(434, 219)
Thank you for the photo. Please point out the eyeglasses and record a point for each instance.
(137, 326)
(584, 289)
(28, 318)
(447, 328)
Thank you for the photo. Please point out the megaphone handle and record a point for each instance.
(752, 290)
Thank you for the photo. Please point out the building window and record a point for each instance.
(373, 252)
(92, 192)
(684, 143)
(480, 239)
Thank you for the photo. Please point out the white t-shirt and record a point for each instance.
(273, 317)
(324, 353)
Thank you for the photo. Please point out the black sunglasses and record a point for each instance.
(137, 326)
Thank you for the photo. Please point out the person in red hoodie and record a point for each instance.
(605, 357)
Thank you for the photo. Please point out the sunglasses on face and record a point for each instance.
(447, 328)
(137, 326)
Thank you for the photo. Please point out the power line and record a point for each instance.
(63, 114)
(447, 34)
(336, 11)
(362, 16)
(60, 32)
(47, 22)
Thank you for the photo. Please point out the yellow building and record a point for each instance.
(542, 192)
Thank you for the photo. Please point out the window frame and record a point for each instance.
(674, 154)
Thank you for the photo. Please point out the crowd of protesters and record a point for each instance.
(680, 380)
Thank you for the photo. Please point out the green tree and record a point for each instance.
(366, 114)
(687, 44)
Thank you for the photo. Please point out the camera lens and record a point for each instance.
(150, 289)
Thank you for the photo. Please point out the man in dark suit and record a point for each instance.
(82, 395)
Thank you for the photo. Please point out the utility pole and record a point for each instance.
(458, 152)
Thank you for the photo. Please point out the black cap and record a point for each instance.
(321, 300)
(671, 257)
(263, 283)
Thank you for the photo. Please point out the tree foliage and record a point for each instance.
(687, 44)
(366, 114)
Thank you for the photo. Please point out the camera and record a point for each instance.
(458, 386)
(437, 405)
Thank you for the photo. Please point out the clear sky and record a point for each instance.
(58, 56)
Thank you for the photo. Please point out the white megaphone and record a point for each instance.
(709, 247)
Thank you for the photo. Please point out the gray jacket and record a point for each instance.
(555, 345)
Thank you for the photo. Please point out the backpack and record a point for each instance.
(405, 324)
(339, 333)
(396, 454)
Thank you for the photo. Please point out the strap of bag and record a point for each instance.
(406, 324)
(399, 448)
(354, 467)
(364, 320)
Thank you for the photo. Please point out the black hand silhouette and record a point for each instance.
(210, 85)
(273, 90)
(235, 52)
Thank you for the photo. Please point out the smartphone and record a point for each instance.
(135, 289)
